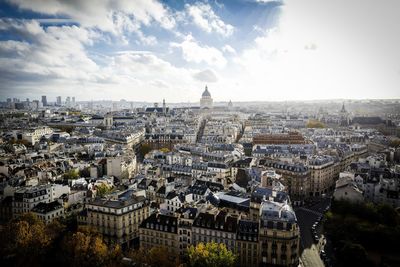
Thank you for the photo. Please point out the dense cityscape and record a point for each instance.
(275, 183)
(199, 133)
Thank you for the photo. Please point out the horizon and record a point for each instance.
(346, 100)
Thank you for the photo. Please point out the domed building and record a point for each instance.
(206, 102)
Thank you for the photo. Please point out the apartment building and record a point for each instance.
(160, 230)
(322, 170)
(118, 219)
(279, 235)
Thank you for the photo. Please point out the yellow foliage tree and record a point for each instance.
(26, 239)
(165, 150)
(315, 124)
(87, 248)
(210, 254)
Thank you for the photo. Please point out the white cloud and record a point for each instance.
(193, 52)
(311, 54)
(54, 61)
(268, 1)
(54, 52)
(116, 17)
(206, 76)
(205, 18)
(228, 49)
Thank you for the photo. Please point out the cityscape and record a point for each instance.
(199, 133)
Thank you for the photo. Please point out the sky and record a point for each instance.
(243, 50)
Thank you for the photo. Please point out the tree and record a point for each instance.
(71, 174)
(165, 150)
(66, 128)
(394, 142)
(85, 172)
(87, 248)
(144, 149)
(25, 240)
(315, 124)
(156, 256)
(353, 255)
(102, 190)
(210, 254)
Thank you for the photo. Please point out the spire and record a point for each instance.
(343, 108)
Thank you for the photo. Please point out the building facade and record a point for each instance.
(118, 219)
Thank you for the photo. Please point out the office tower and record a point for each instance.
(44, 100)
(58, 100)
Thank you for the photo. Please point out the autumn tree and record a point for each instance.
(87, 248)
(26, 239)
(210, 254)
(156, 256)
(394, 142)
(165, 150)
(315, 124)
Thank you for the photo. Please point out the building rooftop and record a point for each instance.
(44, 208)
(206, 93)
(275, 211)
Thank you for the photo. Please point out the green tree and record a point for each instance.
(102, 190)
(71, 174)
(210, 254)
(353, 255)
(165, 150)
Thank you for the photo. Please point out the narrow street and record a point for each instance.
(201, 130)
(306, 217)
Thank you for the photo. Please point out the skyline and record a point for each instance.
(145, 51)
(64, 100)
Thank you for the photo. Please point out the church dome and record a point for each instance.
(206, 93)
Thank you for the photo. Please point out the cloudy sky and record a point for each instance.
(146, 50)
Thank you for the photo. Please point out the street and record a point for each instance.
(306, 217)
